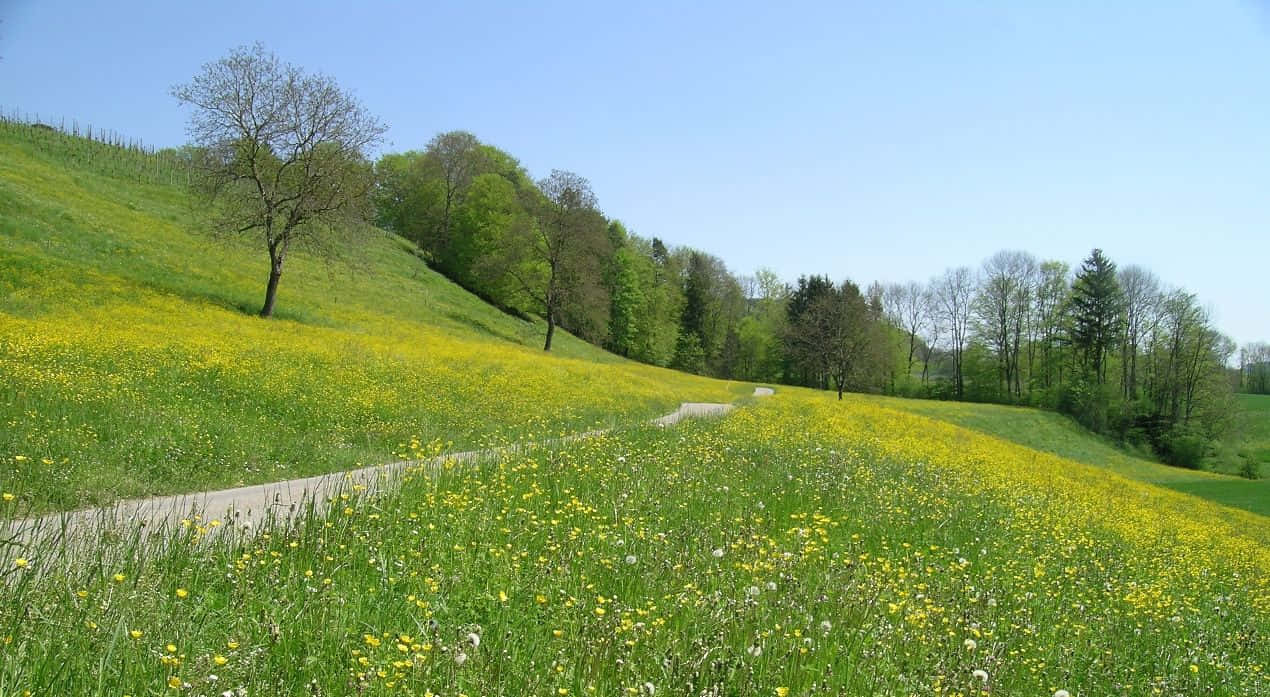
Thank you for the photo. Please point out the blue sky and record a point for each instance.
(876, 141)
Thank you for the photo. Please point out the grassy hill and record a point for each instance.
(131, 362)
(1058, 434)
(799, 546)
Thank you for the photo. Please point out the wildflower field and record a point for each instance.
(797, 546)
(131, 362)
(1061, 435)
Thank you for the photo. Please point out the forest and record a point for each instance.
(1124, 352)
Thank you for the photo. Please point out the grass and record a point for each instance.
(1058, 434)
(798, 546)
(1247, 450)
(132, 363)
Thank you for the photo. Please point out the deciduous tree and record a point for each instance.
(283, 154)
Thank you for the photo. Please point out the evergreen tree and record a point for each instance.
(1095, 313)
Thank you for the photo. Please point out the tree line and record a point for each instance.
(282, 155)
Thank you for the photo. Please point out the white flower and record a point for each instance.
(460, 658)
(650, 688)
(971, 645)
(771, 585)
(621, 458)
(474, 639)
(1062, 693)
(630, 559)
(211, 677)
(981, 675)
(825, 626)
(752, 591)
(718, 553)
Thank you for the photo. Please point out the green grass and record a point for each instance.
(799, 546)
(132, 362)
(1058, 434)
(781, 547)
(1246, 450)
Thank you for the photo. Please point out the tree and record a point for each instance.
(953, 292)
(1141, 294)
(284, 154)
(1095, 314)
(557, 259)
(1002, 305)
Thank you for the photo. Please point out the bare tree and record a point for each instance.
(954, 291)
(1141, 297)
(933, 327)
(284, 153)
(1002, 305)
(906, 308)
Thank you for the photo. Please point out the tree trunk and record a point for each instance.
(551, 329)
(271, 290)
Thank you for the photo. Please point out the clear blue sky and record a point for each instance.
(876, 141)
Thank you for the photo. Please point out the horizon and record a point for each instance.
(884, 145)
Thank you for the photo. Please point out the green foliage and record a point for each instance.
(1095, 314)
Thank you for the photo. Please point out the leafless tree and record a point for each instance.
(283, 154)
(954, 292)
(1002, 306)
(1141, 293)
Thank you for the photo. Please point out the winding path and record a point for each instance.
(247, 506)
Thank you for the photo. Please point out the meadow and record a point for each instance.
(131, 362)
(1059, 434)
(797, 546)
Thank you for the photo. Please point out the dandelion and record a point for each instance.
(1062, 693)
(718, 553)
(755, 650)
(474, 639)
(174, 682)
(171, 648)
(782, 692)
(7, 496)
(650, 689)
(232, 645)
(460, 658)
(771, 585)
(119, 578)
(752, 591)
(971, 644)
(981, 676)
(20, 562)
(219, 660)
(630, 559)
(502, 596)
(135, 633)
(182, 593)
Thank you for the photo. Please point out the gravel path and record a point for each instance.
(249, 506)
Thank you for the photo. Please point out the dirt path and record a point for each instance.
(249, 506)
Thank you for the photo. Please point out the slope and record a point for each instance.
(1054, 433)
(131, 362)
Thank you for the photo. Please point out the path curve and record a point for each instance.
(245, 507)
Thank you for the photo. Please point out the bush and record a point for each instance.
(1183, 447)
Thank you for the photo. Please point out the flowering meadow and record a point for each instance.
(131, 362)
(797, 546)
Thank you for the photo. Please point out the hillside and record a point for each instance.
(131, 362)
(1058, 434)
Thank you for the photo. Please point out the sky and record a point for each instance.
(876, 141)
